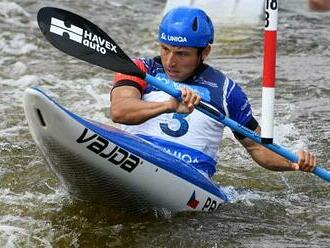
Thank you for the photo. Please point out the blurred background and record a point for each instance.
(268, 209)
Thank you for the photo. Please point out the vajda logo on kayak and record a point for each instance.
(114, 154)
(82, 36)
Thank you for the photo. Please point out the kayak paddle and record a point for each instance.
(78, 37)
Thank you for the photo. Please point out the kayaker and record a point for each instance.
(185, 35)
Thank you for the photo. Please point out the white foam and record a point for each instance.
(15, 70)
(16, 230)
(28, 81)
(10, 235)
(12, 13)
(10, 9)
(284, 135)
(245, 196)
(101, 99)
(227, 12)
(16, 44)
(13, 236)
(28, 199)
(5, 146)
(20, 85)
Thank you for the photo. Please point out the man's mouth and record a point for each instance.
(172, 73)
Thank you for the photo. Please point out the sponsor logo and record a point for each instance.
(114, 154)
(180, 39)
(210, 205)
(82, 36)
(193, 203)
(203, 81)
(183, 156)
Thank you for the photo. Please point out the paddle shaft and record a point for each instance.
(68, 32)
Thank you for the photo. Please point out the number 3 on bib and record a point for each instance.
(178, 132)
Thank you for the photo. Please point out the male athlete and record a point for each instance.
(185, 35)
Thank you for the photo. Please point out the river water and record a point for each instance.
(268, 209)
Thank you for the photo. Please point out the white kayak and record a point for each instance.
(102, 164)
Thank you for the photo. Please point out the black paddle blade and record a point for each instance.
(82, 39)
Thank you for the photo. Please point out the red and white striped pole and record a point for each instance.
(268, 89)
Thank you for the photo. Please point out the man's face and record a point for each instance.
(179, 62)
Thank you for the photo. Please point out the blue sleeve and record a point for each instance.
(238, 106)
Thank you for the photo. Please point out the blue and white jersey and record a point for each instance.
(198, 133)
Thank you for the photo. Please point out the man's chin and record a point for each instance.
(175, 78)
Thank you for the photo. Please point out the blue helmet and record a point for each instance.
(186, 27)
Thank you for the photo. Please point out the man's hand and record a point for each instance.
(187, 105)
(306, 161)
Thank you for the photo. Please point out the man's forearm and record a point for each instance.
(134, 111)
(270, 160)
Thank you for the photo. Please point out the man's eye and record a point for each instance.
(165, 49)
(182, 54)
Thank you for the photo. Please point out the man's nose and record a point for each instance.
(171, 61)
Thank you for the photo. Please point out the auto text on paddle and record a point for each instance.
(82, 36)
(114, 154)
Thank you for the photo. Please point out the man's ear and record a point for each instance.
(206, 52)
